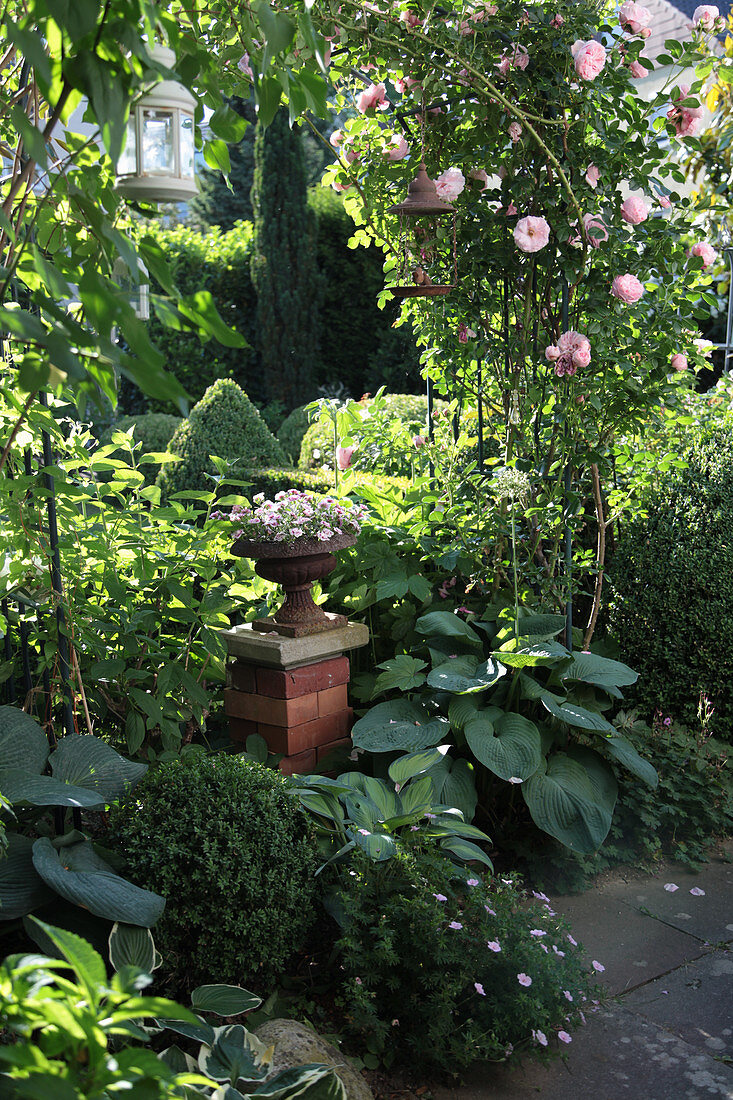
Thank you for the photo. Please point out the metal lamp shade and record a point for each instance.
(157, 164)
(427, 265)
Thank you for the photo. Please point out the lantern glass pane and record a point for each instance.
(127, 164)
(187, 168)
(157, 142)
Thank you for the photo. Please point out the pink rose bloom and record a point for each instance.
(596, 229)
(398, 148)
(373, 98)
(706, 16)
(633, 18)
(531, 234)
(627, 288)
(418, 441)
(571, 352)
(510, 211)
(590, 57)
(686, 120)
(343, 457)
(450, 184)
(466, 27)
(404, 83)
(557, 20)
(410, 19)
(637, 70)
(679, 362)
(634, 210)
(514, 131)
(337, 186)
(592, 176)
(706, 252)
(480, 175)
(552, 353)
(336, 138)
(516, 58)
(244, 66)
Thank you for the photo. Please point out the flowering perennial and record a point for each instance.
(295, 515)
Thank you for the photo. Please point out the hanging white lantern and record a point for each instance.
(135, 285)
(157, 164)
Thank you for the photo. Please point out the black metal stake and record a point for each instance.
(568, 489)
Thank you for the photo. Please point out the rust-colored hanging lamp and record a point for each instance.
(427, 265)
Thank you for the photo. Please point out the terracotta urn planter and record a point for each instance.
(295, 566)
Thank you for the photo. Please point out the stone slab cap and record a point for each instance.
(275, 651)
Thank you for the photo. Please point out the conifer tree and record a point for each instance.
(284, 266)
(216, 204)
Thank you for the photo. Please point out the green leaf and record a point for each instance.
(420, 587)
(572, 798)
(393, 586)
(89, 762)
(78, 17)
(414, 763)
(378, 846)
(224, 1000)
(322, 803)
(625, 753)
(131, 945)
(80, 876)
(234, 1053)
(216, 155)
(278, 29)
(459, 788)
(21, 887)
(466, 851)
(105, 88)
(309, 1082)
(417, 800)
(45, 790)
(547, 626)
(574, 715)
(544, 653)
(23, 744)
(463, 676)
(268, 94)
(401, 673)
(601, 671)
(443, 624)
(398, 725)
(200, 308)
(87, 963)
(510, 748)
(461, 710)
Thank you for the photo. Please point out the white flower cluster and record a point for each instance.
(295, 515)
(510, 483)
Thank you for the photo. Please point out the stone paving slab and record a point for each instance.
(633, 947)
(617, 1056)
(694, 1002)
(709, 917)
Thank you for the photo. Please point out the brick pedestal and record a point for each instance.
(291, 691)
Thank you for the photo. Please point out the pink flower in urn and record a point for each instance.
(589, 57)
(450, 184)
(596, 229)
(679, 362)
(343, 457)
(514, 131)
(592, 176)
(627, 288)
(531, 234)
(706, 252)
(634, 210)
(633, 17)
(398, 148)
(373, 98)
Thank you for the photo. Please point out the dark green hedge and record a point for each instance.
(271, 481)
(671, 582)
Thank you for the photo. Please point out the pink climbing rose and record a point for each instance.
(707, 17)
(514, 131)
(592, 176)
(686, 120)
(633, 17)
(531, 234)
(571, 352)
(373, 98)
(706, 252)
(590, 57)
(634, 210)
(627, 288)
(596, 229)
(398, 148)
(450, 184)
(679, 362)
(343, 457)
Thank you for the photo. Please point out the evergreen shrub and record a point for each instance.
(219, 837)
(273, 481)
(432, 959)
(671, 583)
(224, 423)
(291, 432)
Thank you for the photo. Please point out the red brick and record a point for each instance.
(291, 683)
(332, 700)
(274, 712)
(240, 730)
(322, 731)
(323, 750)
(242, 676)
(301, 762)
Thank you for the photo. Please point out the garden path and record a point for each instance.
(666, 1030)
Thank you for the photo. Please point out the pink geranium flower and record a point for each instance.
(531, 234)
(450, 184)
(634, 210)
(494, 946)
(627, 288)
(590, 57)
(524, 979)
(539, 1037)
(479, 989)
(564, 1037)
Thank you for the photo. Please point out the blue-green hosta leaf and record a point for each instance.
(466, 851)
(543, 653)
(510, 747)
(461, 709)
(451, 823)
(200, 1032)
(572, 798)
(464, 676)
(234, 1054)
(402, 673)
(23, 744)
(414, 763)
(574, 715)
(322, 803)
(459, 788)
(20, 786)
(398, 725)
(379, 846)
(131, 945)
(80, 876)
(417, 798)
(224, 1000)
(601, 671)
(21, 887)
(625, 753)
(548, 626)
(444, 624)
(89, 762)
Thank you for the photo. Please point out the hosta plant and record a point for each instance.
(519, 706)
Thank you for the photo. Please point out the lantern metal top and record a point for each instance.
(422, 198)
